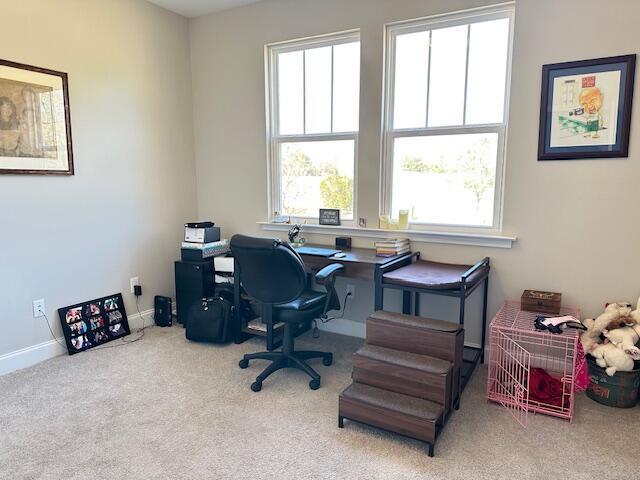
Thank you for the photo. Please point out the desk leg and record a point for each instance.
(237, 320)
(416, 305)
(484, 317)
(378, 290)
(406, 302)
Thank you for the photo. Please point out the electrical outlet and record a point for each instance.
(351, 290)
(134, 281)
(38, 308)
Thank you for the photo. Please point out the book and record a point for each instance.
(202, 246)
(392, 252)
(393, 242)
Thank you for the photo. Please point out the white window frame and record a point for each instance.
(389, 134)
(274, 139)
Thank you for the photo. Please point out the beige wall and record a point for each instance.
(70, 239)
(576, 222)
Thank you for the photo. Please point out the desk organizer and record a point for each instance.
(519, 356)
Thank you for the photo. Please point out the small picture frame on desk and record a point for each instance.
(329, 216)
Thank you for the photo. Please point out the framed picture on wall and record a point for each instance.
(35, 122)
(585, 109)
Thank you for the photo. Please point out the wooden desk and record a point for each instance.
(359, 263)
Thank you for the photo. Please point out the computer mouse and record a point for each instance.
(340, 255)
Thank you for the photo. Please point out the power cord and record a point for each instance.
(316, 330)
(53, 335)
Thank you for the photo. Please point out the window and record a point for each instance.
(446, 87)
(313, 104)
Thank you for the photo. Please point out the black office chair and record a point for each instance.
(273, 273)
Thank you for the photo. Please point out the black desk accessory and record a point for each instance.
(162, 312)
(343, 243)
(316, 251)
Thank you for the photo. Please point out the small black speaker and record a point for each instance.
(343, 243)
(163, 312)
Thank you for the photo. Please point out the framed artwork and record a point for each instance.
(329, 216)
(88, 324)
(585, 109)
(35, 123)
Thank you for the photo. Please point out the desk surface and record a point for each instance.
(358, 262)
(355, 255)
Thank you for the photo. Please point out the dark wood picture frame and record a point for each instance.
(626, 64)
(67, 118)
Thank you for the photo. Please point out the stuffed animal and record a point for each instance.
(626, 339)
(615, 315)
(612, 359)
(635, 315)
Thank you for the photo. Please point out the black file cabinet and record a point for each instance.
(194, 281)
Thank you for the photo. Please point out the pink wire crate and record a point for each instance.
(517, 349)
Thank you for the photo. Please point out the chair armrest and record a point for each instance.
(328, 272)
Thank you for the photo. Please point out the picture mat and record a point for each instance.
(40, 82)
(609, 85)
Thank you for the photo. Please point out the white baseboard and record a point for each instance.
(344, 326)
(26, 357)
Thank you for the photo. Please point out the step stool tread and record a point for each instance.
(397, 402)
(424, 363)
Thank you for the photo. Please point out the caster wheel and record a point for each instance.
(314, 384)
(243, 363)
(328, 360)
(256, 386)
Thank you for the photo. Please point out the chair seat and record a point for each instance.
(432, 275)
(309, 299)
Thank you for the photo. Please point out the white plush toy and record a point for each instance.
(626, 339)
(612, 317)
(612, 359)
(635, 315)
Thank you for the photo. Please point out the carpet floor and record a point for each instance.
(165, 408)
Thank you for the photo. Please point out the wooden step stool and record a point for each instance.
(406, 378)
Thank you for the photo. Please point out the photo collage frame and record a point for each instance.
(89, 324)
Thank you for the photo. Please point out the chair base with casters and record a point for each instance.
(273, 273)
(287, 358)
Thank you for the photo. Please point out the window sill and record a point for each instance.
(476, 239)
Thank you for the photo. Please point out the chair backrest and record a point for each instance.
(270, 270)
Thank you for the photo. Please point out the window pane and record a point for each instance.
(446, 83)
(410, 96)
(488, 43)
(318, 90)
(290, 91)
(446, 179)
(346, 87)
(317, 175)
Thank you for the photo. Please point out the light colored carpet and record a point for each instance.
(165, 408)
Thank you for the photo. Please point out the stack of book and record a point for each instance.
(204, 250)
(391, 247)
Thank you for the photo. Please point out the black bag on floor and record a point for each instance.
(210, 320)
